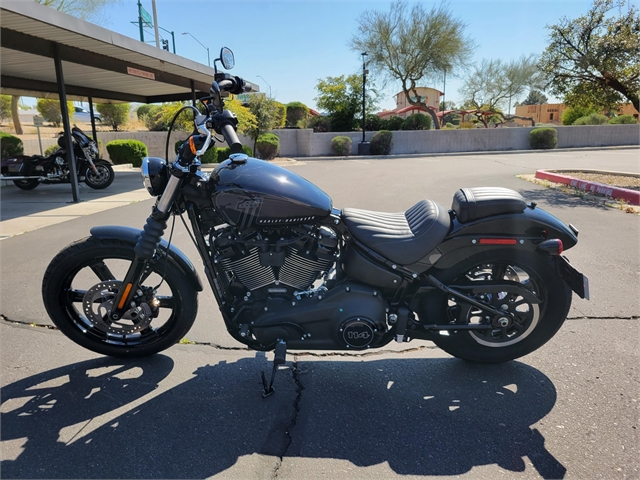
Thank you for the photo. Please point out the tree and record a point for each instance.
(493, 84)
(593, 60)
(49, 108)
(409, 45)
(114, 114)
(341, 97)
(246, 120)
(5, 107)
(267, 115)
(297, 113)
(535, 97)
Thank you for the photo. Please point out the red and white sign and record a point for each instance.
(140, 73)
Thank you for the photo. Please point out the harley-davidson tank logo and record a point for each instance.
(250, 209)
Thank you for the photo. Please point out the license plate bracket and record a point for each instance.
(578, 282)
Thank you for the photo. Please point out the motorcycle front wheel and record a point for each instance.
(102, 178)
(79, 287)
(525, 325)
(26, 184)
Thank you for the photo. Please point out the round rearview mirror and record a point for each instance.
(227, 59)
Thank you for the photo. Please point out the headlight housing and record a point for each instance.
(155, 175)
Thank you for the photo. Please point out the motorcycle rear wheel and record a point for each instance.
(525, 327)
(103, 178)
(84, 276)
(26, 184)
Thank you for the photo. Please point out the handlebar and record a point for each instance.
(232, 138)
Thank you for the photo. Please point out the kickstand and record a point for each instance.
(279, 359)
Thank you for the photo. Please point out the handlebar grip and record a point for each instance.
(231, 138)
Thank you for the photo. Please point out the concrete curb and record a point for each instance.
(631, 196)
(459, 154)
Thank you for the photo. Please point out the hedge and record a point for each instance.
(10, 146)
(382, 143)
(224, 153)
(623, 120)
(417, 121)
(341, 145)
(127, 151)
(543, 138)
(593, 119)
(268, 146)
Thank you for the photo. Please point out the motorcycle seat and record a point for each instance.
(471, 204)
(403, 237)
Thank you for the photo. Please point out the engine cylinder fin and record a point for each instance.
(300, 272)
(249, 271)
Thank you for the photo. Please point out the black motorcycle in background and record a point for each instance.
(27, 172)
(485, 280)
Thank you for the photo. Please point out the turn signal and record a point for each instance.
(552, 247)
(192, 145)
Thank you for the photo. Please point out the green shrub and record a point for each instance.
(320, 124)
(392, 123)
(49, 150)
(543, 138)
(296, 114)
(224, 153)
(572, 114)
(10, 146)
(114, 114)
(154, 119)
(623, 120)
(127, 151)
(5, 107)
(341, 145)
(143, 110)
(373, 123)
(467, 125)
(268, 146)
(593, 119)
(50, 110)
(417, 121)
(382, 142)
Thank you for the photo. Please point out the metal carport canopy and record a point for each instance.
(97, 62)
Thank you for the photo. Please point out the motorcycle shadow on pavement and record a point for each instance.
(106, 418)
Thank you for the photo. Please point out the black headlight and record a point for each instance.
(155, 175)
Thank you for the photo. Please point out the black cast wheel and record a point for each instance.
(524, 326)
(26, 184)
(102, 178)
(80, 285)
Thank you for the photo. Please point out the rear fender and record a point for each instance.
(130, 235)
(528, 229)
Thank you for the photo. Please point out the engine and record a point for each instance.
(277, 284)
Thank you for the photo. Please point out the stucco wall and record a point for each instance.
(305, 143)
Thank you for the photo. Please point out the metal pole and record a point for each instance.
(208, 57)
(93, 121)
(364, 84)
(444, 89)
(140, 21)
(65, 122)
(173, 39)
(155, 23)
(193, 92)
(39, 139)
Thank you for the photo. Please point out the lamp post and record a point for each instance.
(207, 48)
(364, 147)
(266, 83)
(173, 38)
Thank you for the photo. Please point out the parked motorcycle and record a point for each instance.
(485, 280)
(27, 172)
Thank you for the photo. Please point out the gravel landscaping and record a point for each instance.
(622, 181)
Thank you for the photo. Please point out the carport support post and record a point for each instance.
(193, 93)
(93, 121)
(65, 122)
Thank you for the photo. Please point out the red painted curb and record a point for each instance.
(631, 196)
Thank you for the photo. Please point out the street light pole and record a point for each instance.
(206, 48)
(364, 147)
(267, 84)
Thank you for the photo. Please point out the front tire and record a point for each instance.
(26, 184)
(82, 280)
(527, 326)
(103, 178)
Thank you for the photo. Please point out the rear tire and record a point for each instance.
(532, 325)
(26, 184)
(86, 275)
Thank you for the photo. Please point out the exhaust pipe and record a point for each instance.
(8, 179)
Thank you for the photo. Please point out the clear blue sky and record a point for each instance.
(292, 44)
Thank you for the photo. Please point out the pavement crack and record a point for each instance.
(368, 353)
(602, 317)
(296, 413)
(29, 324)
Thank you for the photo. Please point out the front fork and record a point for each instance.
(146, 247)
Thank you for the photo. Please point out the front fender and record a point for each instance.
(130, 235)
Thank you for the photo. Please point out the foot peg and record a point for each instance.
(279, 359)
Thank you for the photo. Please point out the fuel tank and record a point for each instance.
(249, 192)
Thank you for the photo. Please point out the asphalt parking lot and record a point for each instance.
(568, 410)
